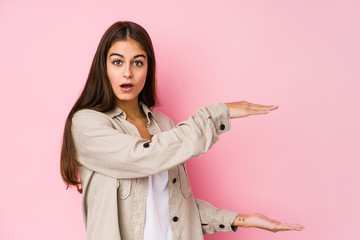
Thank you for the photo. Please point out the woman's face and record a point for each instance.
(127, 67)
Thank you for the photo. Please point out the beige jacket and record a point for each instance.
(115, 162)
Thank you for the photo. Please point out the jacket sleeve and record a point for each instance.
(215, 219)
(104, 149)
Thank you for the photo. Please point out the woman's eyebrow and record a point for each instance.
(140, 55)
(117, 54)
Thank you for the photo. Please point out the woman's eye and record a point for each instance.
(138, 63)
(117, 62)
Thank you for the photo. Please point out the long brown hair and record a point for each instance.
(98, 94)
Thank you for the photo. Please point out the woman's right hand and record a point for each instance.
(261, 221)
(244, 109)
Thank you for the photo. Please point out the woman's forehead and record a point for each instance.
(126, 47)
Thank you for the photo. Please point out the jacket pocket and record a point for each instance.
(184, 181)
(124, 188)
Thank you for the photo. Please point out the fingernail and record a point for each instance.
(275, 106)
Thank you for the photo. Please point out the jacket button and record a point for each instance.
(175, 219)
(146, 145)
(222, 127)
(174, 180)
(221, 226)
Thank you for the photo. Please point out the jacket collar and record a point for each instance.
(118, 112)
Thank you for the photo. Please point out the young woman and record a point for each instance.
(128, 160)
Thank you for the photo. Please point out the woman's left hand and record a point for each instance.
(261, 221)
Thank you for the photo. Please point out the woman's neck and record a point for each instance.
(131, 108)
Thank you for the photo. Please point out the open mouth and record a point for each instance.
(126, 85)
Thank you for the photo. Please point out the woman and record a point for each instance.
(128, 160)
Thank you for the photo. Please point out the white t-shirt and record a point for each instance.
(157, 219)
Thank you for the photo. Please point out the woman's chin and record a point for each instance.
(123, 99)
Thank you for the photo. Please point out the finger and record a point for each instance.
(294, 225)
(264, 107)
(298, 227)
(273, 107)
(282, 227)
(291, 226)
(257, 112)
(260, 105)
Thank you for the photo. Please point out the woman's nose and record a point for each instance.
(127, 71)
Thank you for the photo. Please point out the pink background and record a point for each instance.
(297, 164)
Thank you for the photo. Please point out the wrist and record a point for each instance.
(229, 106)
(242, 220)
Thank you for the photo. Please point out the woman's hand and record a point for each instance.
(259, 220)
(244, 109)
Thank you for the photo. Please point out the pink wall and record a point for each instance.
(298, 164)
